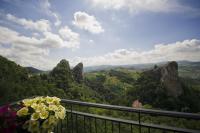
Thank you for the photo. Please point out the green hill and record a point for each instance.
(118, 86)
(34, 70)
(186, 68)
(17, 83)
(122, 86)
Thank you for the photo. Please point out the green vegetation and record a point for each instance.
(17, 83)
(117, 86)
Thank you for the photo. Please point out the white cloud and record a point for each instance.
(91, 41)
(36, 34)
(72, 37)
(22, 53)
(28, 56)
(41, 25)
(30, 50)
(185, 50)
(24, 50)
(46, 5)
(87, 22)
(141, 5)
(50, 40)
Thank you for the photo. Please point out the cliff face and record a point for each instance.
(61, 74)
(77, 72)
(170, 79)
(168, 76)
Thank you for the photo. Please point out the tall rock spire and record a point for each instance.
(77, 72)
(62, 74)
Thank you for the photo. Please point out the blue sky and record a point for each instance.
(39, 33)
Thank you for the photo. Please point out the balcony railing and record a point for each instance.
(85, 117)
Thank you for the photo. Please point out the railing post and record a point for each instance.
(76, 123)
(61, 125)
(71, 117)
(112, 127)
(90, 124)
(95, 125)
(84, 124)
(119, 127)
(67, 121)
(131, 128)
(139, 122)
(105, 127)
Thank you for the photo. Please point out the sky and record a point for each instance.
(39, 33)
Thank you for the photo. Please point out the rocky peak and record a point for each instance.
(170, 79)
(63, 63)
(62, 74)
(168, 76)
(62, 68)
(77, 72)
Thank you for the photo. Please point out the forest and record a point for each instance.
(116, 86)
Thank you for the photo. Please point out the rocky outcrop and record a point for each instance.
(168, 76)
(62, 75)
(170, 79)
(77, 72)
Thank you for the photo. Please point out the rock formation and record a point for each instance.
(62, 74)
(168, 76)
(170, 79)
(77, 72)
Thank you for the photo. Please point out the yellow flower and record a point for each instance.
(53, 108)
(56, 100)
(47, 108)
(44, 114)
(62, 112)
(61, 108)
(49, 100)
(52, 100)
(34, 106)
(35, 116)
(40, 107)
(60, 115)
(43, 106)
(38, 98)
(23, 111)
(27, 102)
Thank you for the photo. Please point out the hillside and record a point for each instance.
(152, 87)
(16, 83)
(189, 69)
(118, 86)
(186, 68)
(33, 70)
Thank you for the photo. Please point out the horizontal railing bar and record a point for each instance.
(131, 122)
(134, 122)
(104, 117)
(137, 110)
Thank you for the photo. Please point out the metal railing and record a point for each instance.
(85, 117)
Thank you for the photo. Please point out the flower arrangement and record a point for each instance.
(41, 114)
